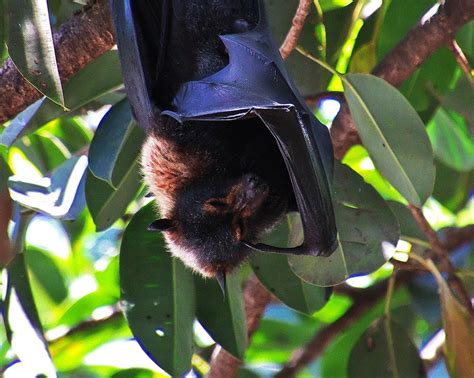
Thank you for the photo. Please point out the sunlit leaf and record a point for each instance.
(30, 45)
(368, 233)
(117, 143)
(107, 204)
(327, 5)
(394, 135)
(286, 285)
(47, 273)
(64, 196)
(452, 142)
(223, 319)
(385, 350)
(157, 295)
(68, 352)
(18, 124)
(22, 322)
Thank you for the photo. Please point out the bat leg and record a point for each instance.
(300, 250)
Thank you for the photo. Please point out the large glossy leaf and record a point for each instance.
(223, 319)
(117, 143)
(64, 196)
(157, 295)
(394, 135)
(22, 322)
(452, 142)
(368, 233)
(385, 350)
(458, 326)
(3, 30)
(30, 45)
(97, 78)
(107, 204)
(286, 285)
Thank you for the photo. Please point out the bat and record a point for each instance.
(231, 145)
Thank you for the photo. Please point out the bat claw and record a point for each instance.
(221, 280)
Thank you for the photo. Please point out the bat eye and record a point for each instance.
(215, 205)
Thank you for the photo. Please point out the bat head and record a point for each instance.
(213, 218)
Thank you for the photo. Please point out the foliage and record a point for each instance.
(62, 297)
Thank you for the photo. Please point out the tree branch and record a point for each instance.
(78, 42)
(442, 256)
(293, 35)
(397, 66)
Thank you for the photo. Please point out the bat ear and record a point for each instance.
(161, 225)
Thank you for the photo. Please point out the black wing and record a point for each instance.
(246, 79)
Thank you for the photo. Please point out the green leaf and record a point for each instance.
(82, 309)
(22, 322)
(400, 17)
(157, 295)
(409, 229)
(457, 324)
(327, 5)
(5, 173)
(384, 350)
(97, 78)
(394, 135)
(286, 285)
(69, 351)
(107, 204)
(367, 228)
(435, 75)
(452, 142)
(71, 131)
(223, 319)
(465, 39)
(47, 273)
(31, 47)
(16, 127)
(116, 143)
(63, 198)
(452, 188)
(3, 31)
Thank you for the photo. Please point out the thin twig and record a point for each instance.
(6, 253)
(462, 60)
(442, 256)
(293, 35)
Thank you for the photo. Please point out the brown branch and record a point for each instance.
(293, 35)
(78, 42)
(462, 60)
(397, 66)
(256, 298)
(442, 256)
